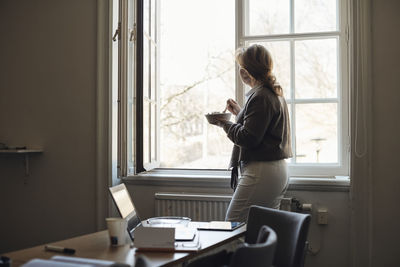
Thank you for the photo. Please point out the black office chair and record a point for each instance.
(291, 229)
(141, 261)
(259, 254)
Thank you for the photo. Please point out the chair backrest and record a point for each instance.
(221, 258)
(141, 261)
(291, 229)
(260, 254)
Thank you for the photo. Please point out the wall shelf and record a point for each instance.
(25, 152)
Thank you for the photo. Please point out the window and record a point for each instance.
(179, 62)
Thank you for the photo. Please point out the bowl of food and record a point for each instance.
(213, 117)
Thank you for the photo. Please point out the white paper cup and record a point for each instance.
(117, 231)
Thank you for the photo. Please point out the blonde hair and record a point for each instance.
(257, 61)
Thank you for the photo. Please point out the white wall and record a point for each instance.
(47, 99)
(386, 132)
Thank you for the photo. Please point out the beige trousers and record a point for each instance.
(262, 183)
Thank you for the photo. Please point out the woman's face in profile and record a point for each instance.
(245, 76)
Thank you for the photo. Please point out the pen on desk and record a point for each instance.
(59, 249)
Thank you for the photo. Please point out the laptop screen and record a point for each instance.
(122, 200)
(125, 206)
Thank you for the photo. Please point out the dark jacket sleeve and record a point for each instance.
(258, 114)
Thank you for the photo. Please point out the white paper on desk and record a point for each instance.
(91, 262)
(213, 225)
(65, 261)
(154, 237)
(51, 263)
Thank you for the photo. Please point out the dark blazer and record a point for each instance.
(262, 128)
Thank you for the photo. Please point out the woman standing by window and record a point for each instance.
(261, 137)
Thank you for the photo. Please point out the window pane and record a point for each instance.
(153, 18)
(153, 74)
(316, 68)
(315, 15)
(280, 52)
(316, 133)
(265, 17)
(196, 77)
(146, 132)
(146, 67)
(146, 17)
(153, 134)
(290, 160)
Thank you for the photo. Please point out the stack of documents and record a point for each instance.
(164, 239)
(154, 237)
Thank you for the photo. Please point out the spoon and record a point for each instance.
(225, 110)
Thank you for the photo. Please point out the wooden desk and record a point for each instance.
(97, 246)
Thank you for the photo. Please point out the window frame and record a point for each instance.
(299, 170)
(140, 163)
(342, 36)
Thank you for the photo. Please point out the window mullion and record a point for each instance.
(312, 100)
(122, 90)
(240, 9)
(292, 16)
(131, 66)
(292, 98)
(291, 36)
(157, 77)
(292, 83)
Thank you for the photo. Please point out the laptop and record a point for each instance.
(127, 210)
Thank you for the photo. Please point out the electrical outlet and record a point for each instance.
(306, 207)
(322, 216)
(286, 204)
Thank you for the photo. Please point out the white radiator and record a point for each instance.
(198, 207)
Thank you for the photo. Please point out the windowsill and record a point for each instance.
(221, 179)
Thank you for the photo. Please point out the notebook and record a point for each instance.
(216, 225)
(127, 210)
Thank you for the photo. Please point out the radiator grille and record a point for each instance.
(198, 207)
